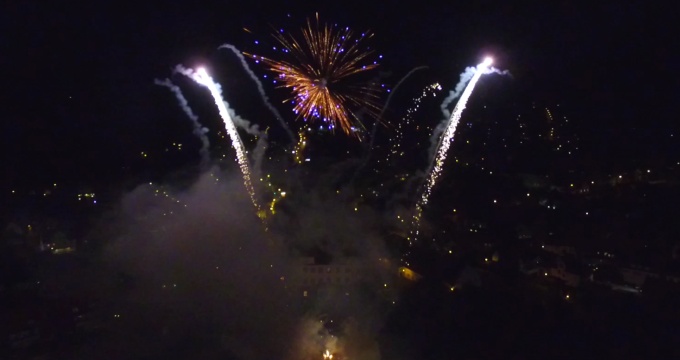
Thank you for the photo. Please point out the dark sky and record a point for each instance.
(79, 91)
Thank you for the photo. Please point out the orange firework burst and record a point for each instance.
(321, 73)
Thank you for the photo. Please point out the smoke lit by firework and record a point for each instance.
(320, 68)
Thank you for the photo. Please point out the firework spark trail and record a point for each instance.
(395, 141)
(201, 76)
(198, 130)
(260, 88)
(437, 163)
(389, 98)
(387, 103)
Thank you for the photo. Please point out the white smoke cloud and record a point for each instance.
(200, 257)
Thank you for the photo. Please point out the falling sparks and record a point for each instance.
(327, 355)
(445, 142)
(202, 77)
(299, 149)
(395, 141)
(320, 69)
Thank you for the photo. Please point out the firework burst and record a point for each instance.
(320, 69)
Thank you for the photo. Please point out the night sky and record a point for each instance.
(79, 99)
(552, 231)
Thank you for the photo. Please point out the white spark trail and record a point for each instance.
(435, 138)
(202, 77)
(437, 163)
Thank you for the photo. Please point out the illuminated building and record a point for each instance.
(307, 275)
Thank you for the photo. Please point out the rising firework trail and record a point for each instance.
(437, 163)
(202, 77)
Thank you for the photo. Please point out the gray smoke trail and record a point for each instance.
(453, 94)
(239, 121)
(493, 70)
(260, 88)
(258, 155)
(198, 130)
